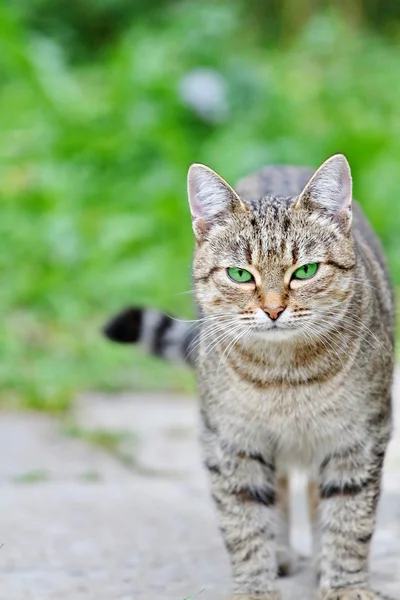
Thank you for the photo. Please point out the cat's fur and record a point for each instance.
(310, 389)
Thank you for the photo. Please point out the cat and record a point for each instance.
(293, 354)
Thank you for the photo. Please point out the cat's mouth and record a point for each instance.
(274, 332)
(262, 326)
(269, 325)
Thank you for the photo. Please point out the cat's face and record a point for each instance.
(278, 268)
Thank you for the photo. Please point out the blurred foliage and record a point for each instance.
(85, 27)
(95, 147)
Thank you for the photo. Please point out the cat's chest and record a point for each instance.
(300, 423)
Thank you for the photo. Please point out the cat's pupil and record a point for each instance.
(305, 268)
(240, 272)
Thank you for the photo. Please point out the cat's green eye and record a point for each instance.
(306, 271)
(239, 275)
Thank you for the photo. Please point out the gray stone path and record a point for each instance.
(81, 523)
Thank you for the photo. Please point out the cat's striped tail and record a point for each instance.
(156, 332)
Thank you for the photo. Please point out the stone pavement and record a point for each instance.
(135, 522)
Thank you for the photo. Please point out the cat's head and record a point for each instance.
(279, 267)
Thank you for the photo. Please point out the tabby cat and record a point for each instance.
(294, 358)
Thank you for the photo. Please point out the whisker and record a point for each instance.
(202, 319)
(225, 335)
(325, 342)
(341, 349)
(211, 328)
(246, 332)
(208, 334)
(230, 346)
(364, 283)
(354, 323)
(185, 292)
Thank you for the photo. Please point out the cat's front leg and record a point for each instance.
(243, 489)
(349, 493)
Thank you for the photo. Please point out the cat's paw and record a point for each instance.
(289, 561)
(354, 594)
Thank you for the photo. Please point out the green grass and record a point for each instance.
(90, 477)
(108, 440)
(195, 596)
(94, 154)
(36, 476)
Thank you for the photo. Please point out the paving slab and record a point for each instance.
(79, 523)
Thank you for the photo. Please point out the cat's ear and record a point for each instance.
(330, 189)
(210, 197)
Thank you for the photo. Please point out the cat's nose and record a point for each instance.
(273, 311)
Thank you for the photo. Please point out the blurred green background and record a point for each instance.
(103, 106)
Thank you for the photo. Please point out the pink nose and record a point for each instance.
(273, 312)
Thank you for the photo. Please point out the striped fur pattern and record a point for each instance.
(157, 333)
(310, 389)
